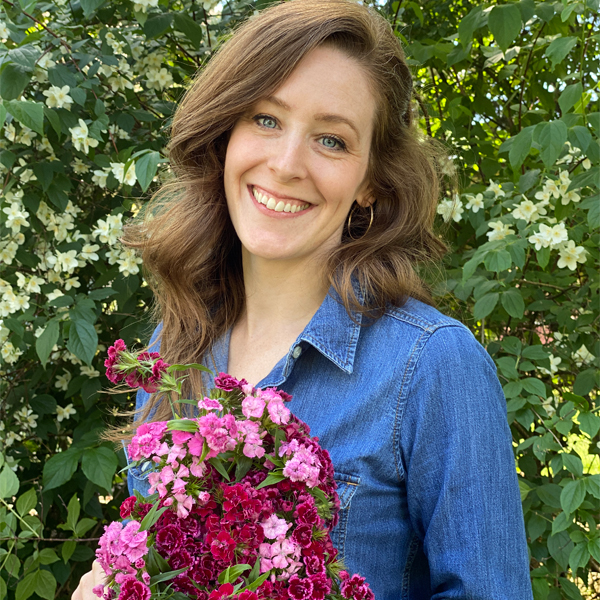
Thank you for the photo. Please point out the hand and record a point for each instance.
(88, 582)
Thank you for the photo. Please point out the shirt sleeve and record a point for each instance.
(462, 489)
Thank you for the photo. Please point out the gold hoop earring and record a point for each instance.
(350, 221)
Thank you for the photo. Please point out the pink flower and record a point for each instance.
(300, 589)
(274, 527)
(209, 404)
(132, 589)
(180, 437)
(134, 541)
(253, 447)
(253, 407)
(278, 412)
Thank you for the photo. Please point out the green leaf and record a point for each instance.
(497, 260)
(99, 466)
(9, 482)
(152, 516)
(589, 423)
(73, 511)
(189, 27)
(559, 48)
(271, 479)
(90, 6)
(579, 556)
(560, 546)
(60, 468)
(535, 353)
(145, 168)
(26, 502)
(543, 257)
(182, 425)
(551, 139)
(536, 525)
(561, 522)
(28, 113)
(520, 147)
(242, 467)
(534, 386)
(84, 526)
(46, 341)
(469, 24)
(2, 114)
(549, 494)
(3, 589)
(485, 305)
(573, 464)
(45, 584)
(569, 589)
(592, 484)
(217, 463)
(13, 80)
(505, 24)
(26, 587)
(230, 574)
(580, 137)
(513, 303)
(585, 382)
(67, 550)
(594, 548)
(156, 25)
(512, 389)
(83, 340)
(166, 576)
(570, 96)
(572, 495)
(48, 556)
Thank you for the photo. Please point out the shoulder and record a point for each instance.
(427, 337)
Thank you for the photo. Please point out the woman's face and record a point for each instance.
(297, 160)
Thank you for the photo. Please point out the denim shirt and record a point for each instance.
(413, 415)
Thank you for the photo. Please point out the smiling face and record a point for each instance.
(298, 159)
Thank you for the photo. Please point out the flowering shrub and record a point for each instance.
(87, 90)
(199, 531)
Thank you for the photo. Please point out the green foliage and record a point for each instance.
(510, 88)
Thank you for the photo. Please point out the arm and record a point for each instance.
(462, 488)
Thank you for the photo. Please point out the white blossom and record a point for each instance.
(79, 167)
(26, 417)
(88, 252)
(54, 294)
(475, 203)
(99, 178)
(159, 79)
(65, 413)
(528, 211)
(10, 354)
(58, 97)
(81, 139)
(570, 255)
(128, 262)
(451, 210)
(62, 381)
(17, 216)
(495, 187)
(499, 231)
(118, 170)
(582, 356)
(4, 32)
(554, 362)
(143, 5)
(90, 372)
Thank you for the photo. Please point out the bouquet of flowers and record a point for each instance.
(242, 499)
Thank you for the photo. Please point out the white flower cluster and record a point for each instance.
(60, 225)
(4, 32)
(451, 209)
(81, 139)
(158, 79)
(128, 177)
(25, 137)
(8, 351)
(558, 189)
(58, 97)
(143, 5)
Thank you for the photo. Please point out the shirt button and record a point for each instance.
(297, 352)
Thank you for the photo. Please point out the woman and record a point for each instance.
(286, 253)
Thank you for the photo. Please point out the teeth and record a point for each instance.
(280, 206)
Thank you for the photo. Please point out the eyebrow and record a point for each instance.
(322, 117)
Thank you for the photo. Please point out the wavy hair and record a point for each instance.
(191, 253)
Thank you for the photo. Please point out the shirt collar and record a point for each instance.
(333, 332)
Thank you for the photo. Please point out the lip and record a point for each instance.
(271, 213)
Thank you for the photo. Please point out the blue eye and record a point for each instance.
(266, 121)
(333, 143)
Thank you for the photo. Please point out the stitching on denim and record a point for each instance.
(412, 553)
(349, 489)
(410, 366)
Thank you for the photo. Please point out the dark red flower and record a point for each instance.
(169, 538)
(248, 595)
(303, 535)
(227, 383)
(132, 589)
(223, 546)
(224, 591)
(321, 586)
(127, 507)
(180, 559)
(300, 589)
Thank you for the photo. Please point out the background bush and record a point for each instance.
(88, 88)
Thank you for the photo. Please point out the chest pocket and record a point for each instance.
(346, 488)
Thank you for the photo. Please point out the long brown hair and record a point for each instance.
(191, 253)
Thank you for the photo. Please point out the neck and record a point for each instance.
(281, 296)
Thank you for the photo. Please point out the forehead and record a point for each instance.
(328, 81)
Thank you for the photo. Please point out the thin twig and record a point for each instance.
(525, 72)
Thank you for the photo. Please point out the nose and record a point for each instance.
(287, 159)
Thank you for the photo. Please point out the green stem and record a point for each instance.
(19, 517)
